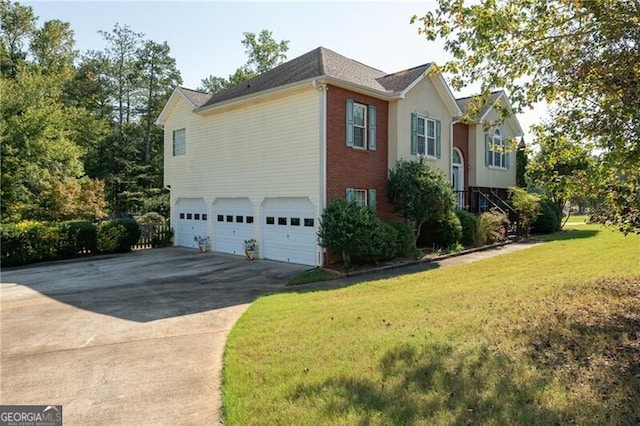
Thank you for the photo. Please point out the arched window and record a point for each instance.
(497, 150)
(456, 157)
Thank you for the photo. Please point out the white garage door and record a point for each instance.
(191, 214)
(289, 230)
(233, 224)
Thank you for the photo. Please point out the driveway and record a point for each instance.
(136, 338)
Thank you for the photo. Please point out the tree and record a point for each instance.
(263, 53)
(419, 193)
(579, 56)
(121, 71)
(560, 167)
(522, 159)
(40, 131)
(17, 24)
(158, 78)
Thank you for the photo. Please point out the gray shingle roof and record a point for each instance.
(197, 98)
(318, 63)
(466, 104)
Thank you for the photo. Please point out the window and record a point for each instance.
(220, 218)
(271, 220)
(239, 219)
(282, 221)
(249, 219)
(358, 196)
(196, 216)
(295, 221)
(308, 221)
(425, 136)
(361, 125)
(189, 216)
(179, 147)
(496, 154)
(204, 216)
(230, 218)
(181, 215)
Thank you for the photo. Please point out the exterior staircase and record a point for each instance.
(477, 201)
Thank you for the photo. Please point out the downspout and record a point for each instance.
(455, 120)
(322, 87)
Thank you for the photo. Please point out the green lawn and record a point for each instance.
(548, 335)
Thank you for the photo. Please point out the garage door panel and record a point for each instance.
(191, 220)
(233, 225)
(289, 230)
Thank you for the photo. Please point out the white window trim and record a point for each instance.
(426, 138)
(498, 140)
(364, 126)
(184, 143)
(356, 191)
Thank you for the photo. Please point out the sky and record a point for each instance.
(205, 36)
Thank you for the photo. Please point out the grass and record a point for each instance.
(311, 276)
(547, 335)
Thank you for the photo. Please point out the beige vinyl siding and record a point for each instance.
(424, 100)
(266, 148)
(484, 176)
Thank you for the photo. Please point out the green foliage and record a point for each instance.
(29, 242)
(151, 218)
(360, 236)
(118, 235)
(390, 240)
(580, 57)
(549, 218)
(490, 228)
(527, 205)
(158, 203)
(347, 228)
(420, 193)
(522, 160)
(560, 167)
(263, 53)
(469, 222)
(442, 232)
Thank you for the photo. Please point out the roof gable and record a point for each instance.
(466, 104)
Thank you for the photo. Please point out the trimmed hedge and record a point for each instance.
(469, 222)
(30, 242)
(441, 233)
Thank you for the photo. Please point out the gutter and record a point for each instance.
(322, 87)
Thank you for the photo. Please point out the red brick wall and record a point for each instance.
(357, 168)
(461, 141)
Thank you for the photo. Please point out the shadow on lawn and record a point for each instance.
(569, 234)
(580, 366)
(437, 384)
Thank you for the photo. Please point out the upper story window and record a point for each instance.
(179, 143)
(496, 154)
(425, 136)
(361, 125)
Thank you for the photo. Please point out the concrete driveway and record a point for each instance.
(126, 339)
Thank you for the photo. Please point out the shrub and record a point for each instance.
(490, 228)
(441, 233)
(151, 218)
(420, 193)
(388, 241)
(77, 237)
(118, 235)
(549, 218)
(527, 205)
(347, 228)
(469, 222)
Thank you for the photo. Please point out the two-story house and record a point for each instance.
(262, 159)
